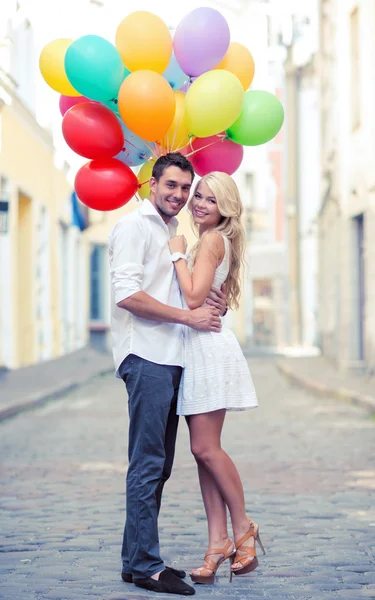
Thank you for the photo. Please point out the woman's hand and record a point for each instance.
(178, 244)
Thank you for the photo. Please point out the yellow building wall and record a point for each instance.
(27, 160)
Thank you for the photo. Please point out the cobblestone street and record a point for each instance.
(308, 466)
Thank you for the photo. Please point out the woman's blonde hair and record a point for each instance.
(230, 208)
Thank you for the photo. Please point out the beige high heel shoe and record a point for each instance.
(247, 556)
(208, 571)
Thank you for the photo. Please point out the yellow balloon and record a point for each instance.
(213, 102)
(144, 175)
(239, 61)
(144, 42)
(51, 65)
(177, 135)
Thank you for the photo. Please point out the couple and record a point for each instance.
(176, 359)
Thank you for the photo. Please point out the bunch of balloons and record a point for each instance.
(125, 104)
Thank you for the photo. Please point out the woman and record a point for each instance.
(216, 377)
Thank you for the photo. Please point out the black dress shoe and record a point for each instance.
(128, 577)
(167, 583)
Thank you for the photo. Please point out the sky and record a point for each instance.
(52, 19)
(74, 18)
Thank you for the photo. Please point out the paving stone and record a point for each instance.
(63, 489)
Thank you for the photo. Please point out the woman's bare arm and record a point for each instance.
(196, 286)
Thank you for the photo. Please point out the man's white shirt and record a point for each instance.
(140, 260)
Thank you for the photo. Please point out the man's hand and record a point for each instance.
(205, 318)
(218, 299)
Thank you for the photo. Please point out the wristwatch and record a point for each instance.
(177, 255)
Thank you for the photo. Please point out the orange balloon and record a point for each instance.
(147, 104)
(177, 135)
(144, 42)
(239, 61)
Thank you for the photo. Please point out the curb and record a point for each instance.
(39, 398)
(365, 401)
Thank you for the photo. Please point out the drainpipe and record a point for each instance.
(293, 82)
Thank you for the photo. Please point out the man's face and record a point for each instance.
(170, 194)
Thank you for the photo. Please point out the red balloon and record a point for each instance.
(67, 102)
(92, 131)
(215, 153)
(105, 184)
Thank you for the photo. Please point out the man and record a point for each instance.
(147, 330)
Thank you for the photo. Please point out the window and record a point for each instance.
(263, 313)
(4, 188)
(98, 282)
(249, 185)
(23, 58)
(355, 68)
(4, 203)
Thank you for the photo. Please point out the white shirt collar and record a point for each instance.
(149, 210)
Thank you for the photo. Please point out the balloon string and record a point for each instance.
(143, 183)
(175, 131)
(131, 144)
(179, 147)
(139, 150)
(202, 148)
(152, 150)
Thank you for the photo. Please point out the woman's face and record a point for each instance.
(204, 208)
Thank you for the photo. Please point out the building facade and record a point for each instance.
(43, 256)
(263, 321)
(347, 212)
(302, 151)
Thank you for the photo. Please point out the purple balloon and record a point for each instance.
(201, 41)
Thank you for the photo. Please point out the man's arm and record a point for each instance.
(144, 306)
(127, 249)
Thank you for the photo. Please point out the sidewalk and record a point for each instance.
(28, 387)
(319, 376)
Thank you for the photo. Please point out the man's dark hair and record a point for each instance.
(172, 159)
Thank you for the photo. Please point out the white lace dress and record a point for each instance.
(216, 374)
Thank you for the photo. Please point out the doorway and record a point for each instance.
(25, 322)
(359, 287)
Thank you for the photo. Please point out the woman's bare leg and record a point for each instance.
(224, 481)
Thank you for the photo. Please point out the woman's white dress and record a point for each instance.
(216, 374)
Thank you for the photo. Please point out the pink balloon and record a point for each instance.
(220, 155)
(67, 102)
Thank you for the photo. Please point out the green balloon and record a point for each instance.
(260, 120)
(96, 67)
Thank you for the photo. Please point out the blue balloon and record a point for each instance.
(135, 151)
(175, 75)
(94, 68)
